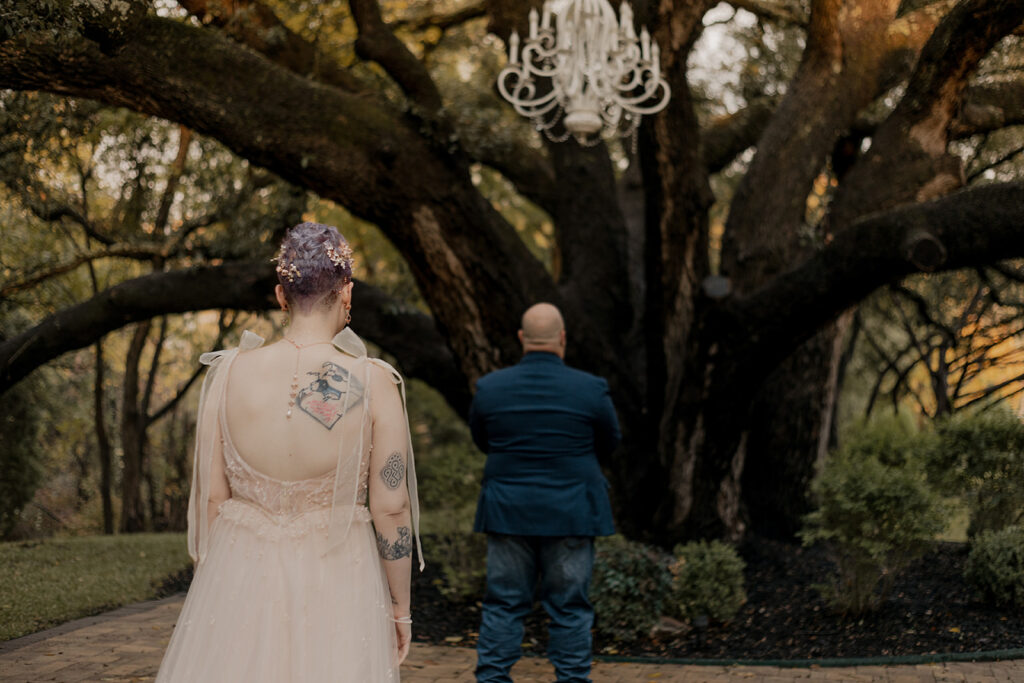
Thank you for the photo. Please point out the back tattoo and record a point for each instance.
(324, 399)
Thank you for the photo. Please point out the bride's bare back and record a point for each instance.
(327, 411)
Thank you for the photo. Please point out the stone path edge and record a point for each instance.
(825, 662)
(14, 644)
(828, 662)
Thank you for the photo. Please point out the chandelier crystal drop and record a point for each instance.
(590, 71)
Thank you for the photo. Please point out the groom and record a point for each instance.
(543, 426)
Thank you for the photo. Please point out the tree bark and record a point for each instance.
(133, 436)
(103, 449)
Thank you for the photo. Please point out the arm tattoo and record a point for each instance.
(397, 550)
(393, 472)
(324, 399)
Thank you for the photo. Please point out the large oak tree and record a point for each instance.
(724, 376)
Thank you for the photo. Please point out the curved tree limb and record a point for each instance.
(376, 42)
(252, 23)
(726, 137)
(908, 160)
(976, 226)
(410, 336)
(134, 252)
(524, 167)
(367, 157)
(989, 106)
(443, 21)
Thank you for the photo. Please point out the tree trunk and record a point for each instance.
(103, 449)
(133, 436)
(787, 435)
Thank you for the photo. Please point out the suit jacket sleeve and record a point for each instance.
(477, 425)
(606, 426)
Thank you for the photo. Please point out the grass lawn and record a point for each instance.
(45, 583)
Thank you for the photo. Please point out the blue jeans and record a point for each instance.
(514, 563)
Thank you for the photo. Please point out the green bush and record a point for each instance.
(875, 517)
(629, 587)
(893, 440)
(22, 424)
(996, 565)
(980, 457)
(707, 579)
(462, 556)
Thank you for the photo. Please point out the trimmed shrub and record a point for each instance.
(22, 424)
(996, 566)
(876, 518)
(981, 457)
(462, 556)
(707, 579)
(629, 587)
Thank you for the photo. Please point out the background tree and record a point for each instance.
(722, 341)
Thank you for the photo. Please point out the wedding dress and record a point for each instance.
(289, 587)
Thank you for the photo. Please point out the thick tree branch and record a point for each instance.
(908, 160)
(444, 21)
(376, 42)
(527, 169)
(726, 137)
(976, 226)
(410, 336)
(134, 252)
(249, 22)
(255, 25)
(990, 105)
(348, 148)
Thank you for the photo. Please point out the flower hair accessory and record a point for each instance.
(291, 273)
(287, 271)
(340, 257)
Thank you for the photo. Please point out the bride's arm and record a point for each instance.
(389, 494)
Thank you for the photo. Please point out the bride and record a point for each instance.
(303, 510)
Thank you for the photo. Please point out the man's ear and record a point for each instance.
(520, 334)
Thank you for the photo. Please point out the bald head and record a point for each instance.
(543, 329)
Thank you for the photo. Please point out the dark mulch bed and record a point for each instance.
(930, 610)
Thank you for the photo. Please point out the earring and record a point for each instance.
(348, 314)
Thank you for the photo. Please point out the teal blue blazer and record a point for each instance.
(543, 426)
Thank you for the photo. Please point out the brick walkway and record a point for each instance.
(126, 645)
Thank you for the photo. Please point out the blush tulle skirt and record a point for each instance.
(267, 606)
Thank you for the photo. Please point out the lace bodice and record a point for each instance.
(276, 497)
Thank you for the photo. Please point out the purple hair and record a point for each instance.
(314, 262)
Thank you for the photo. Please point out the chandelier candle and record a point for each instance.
(589, 72)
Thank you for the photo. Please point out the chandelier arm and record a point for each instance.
(649, 91)
(654, 108)
(517, 96)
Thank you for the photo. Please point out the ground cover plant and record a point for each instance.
(930, 609)
(45, 583)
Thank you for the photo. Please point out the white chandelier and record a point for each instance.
(599, 78)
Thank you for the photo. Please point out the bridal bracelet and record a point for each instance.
(402, 620)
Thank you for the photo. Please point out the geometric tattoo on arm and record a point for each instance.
(397, 550)
(393, 471)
